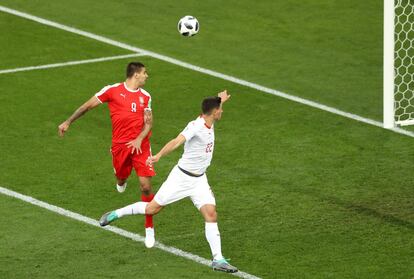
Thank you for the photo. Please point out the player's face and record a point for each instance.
(141, 76)
(217, 113)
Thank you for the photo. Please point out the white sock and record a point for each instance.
(213, 238)
(132, 209)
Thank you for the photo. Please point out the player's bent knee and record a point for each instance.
(153, 208)
(145, 188)
(209, 213)
(212, 216)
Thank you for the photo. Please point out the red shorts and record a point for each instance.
(123, 160)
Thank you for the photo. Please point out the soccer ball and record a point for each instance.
(188, 26)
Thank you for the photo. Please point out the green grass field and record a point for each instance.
(301, 193)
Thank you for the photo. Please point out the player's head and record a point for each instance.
(211, 106)
(137, 72)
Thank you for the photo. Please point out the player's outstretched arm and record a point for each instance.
(88, 105)
(168, 148)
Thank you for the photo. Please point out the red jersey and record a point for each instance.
(126, 108)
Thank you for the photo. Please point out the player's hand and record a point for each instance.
(63, 128)
(224, 96)
(152, 159)
(135, 145)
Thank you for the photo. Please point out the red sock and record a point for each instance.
(148, 218)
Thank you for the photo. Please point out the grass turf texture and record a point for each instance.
(42, 244)
(31, 44)
(300, 192)
(327, 51)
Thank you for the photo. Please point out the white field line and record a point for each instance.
(124, 233)
(203, 70)
(69, 63)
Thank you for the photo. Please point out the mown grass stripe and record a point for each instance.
(205, 71)
(124, 233)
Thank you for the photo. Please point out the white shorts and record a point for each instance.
(180, 185)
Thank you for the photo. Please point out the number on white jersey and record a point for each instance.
(209, 146)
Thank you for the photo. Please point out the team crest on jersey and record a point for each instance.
(141, 101)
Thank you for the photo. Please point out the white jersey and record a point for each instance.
(198, 147)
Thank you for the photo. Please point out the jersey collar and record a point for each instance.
(133, 91)
(205, 124)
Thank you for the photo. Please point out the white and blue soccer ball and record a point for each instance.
(188, 26)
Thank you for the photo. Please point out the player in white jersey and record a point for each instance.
(188, 178)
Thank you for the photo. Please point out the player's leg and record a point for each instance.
(133, 209)
(203, 199)
(122, 163)
(146, 196)
(144, 174)
(168, 193)
(208, 211)
(173, 189)
(150, 208)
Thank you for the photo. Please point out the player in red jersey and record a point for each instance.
(131, 116)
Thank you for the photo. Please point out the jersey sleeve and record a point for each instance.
(104, 95)
(148, 107)
(148, 100)
(191, 130)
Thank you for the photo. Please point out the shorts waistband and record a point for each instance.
(190, 173)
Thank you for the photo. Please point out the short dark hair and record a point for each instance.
(133, 68)
(209, 104)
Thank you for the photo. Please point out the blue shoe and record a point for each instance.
(108, 218)
(223, 265)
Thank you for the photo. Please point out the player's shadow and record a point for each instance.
(360, 209)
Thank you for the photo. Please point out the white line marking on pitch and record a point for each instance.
(203, 70)
(70, 63)
(124, 233)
